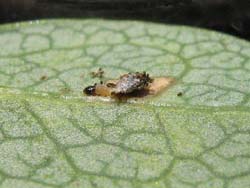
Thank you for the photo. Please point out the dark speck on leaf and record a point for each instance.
(44, 77)
(179, 94)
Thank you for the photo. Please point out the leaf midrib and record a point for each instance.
(11, 94)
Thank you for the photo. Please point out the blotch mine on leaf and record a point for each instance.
(130, 85)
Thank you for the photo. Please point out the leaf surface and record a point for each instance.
(51, 135)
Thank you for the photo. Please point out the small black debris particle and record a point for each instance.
(179, 94)
(44, 77)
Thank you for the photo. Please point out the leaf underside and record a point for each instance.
(51, 135)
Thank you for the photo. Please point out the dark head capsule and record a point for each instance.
(90, 90)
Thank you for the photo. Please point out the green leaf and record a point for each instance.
(51, 135)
